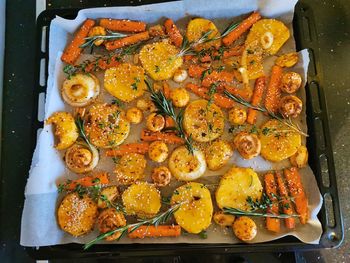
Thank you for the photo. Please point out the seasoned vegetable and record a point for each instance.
(161, 176)
(290, 106)
(179, 97)
(110, 219)
(291, 82)
(134, 115)
(155, 122)
(123, 25)
(173, 33)
(130, 168)
(180, 75)
(107, 195)
(97, 31)
(273, 92)
(167, 137)
(218, 154)
(247, 144)
(256, 99)
(156, 231)
(141, 148)
(158, 151)
(127, 41)
(272, 224)
(81, 158)
(196, 210)
(245, 228)
(237, 116)
(223, 220)
(287, 60)
(299, 159)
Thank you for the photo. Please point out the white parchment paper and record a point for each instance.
(39, 226)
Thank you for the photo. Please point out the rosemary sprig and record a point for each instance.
(111, 36)
(288, 122)
(239, 212)
(165, 108)
(157, 220)
(80, 125)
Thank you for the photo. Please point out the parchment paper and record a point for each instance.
(39, 226)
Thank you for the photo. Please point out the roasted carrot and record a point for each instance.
(140, 148)
(241, 28)
(296, 190)
(173, 32)
(196, 71)
(219, 99)
(167, 137)
(215, 77)
(127, 41)
(87, 181)
(256, 98)
(244, 93)
(156, 31)
(73, 50)
(233, 51)
(103, 64)
(155, 231)
(285, 201)
(169, 122)
(273, 92)
(123, 25)
(166, 89)
(272, 224)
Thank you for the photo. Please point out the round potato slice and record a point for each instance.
(279, 142)
(236, 186)
(203, 122)
(125, 82)
(197, 28)
(186, 166)
(130, 168)
(77, 215)
(218, 154)
(141, 199)
(106, 125)
(160, 60)
(196, 210)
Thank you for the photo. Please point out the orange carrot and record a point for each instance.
(285, 201)
(173, 32)
(166, 89)
(155, 231)
(196, 71)
(167, 137)
(273, 92)
(219, 99)
(103, 63)
(272, 224)
(169, 122)
(127, 41)
(156, 31)
(216, 76)
(73, 50)
(123, 25)
(241, 28)
(140, 148)
(296, 190)
(244, 93)
(256, 98)
(233, 51)
(87, 181)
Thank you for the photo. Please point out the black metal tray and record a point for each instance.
(319, 145)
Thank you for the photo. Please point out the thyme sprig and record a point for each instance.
(288, 122)
(80, 125)
(157, 220)
(166, 108)
(239, 212)
(89, 41)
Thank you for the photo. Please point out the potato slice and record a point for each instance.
(279, 142)
(160, 60)
(197, 28)
(76, 215)
(125, 82)
(130, 168)
(186, 166)
(141, 199)
(203, 122)
(280, 34)
(245, 228)
(236, 186)
(109, 193)
(106, 125)
(195, 214)
(217, 154)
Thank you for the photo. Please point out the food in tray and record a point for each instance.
(180, 101)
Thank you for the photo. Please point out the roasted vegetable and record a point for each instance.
(291, 82)
(245, 228)
(223, 220)
(110, 219)
(158, 151)
(81, 158)
(300, 158)
(155, 122)
(130, 168)
(179, 97)
(217, 154)
(134, 115)
(290, 106)
(107, 196)
(237, 116)
(247, 144)
(161, 176)
(287, 60)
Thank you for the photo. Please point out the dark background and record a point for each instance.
(332, 22)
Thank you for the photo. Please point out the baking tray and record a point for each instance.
(319, 146)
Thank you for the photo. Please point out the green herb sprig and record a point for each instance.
(239, 212)
(80, 125)
(89, 41)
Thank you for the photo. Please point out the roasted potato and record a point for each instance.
(300, 158)
(146, 105)
(134, 115)
(186, 166)
(141, 199)
(158, 151)
(130, 168)
(205, 123)
(291, 82)
(180, 75)
(66, 130)
(125, 82)
(237, 116)
(235, 187)
(106, 125)
(217, 154)
(81, 158)
(279, 142)
(290, 106)
(223, 219)
(244, 228)
(109, 193)
(196, 210)
(77, 215)
(179, 97)
(160, 60)
(110, 219)
(155, 122)
(287, 60)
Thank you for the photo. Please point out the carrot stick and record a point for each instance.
(140, 148)
(173, 32)
(296, 190)
(73, 50)
(241, 28)
(88, 181)
(123, 25)
(272, 224)
(103, 64)
(155, 231)
(127, 41)
(167, 137)
(196, 71)
(166, 90)
(285, 201)
(273, 92)
(233, 51)
(219, 99)
(244, 93)
(216, 76)
(256, 99)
